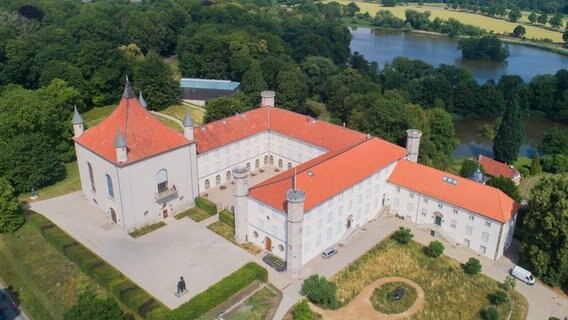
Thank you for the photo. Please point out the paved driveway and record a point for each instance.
(154, 261)
(543, 302)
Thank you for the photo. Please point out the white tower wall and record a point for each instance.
(413, 144)
(240, 193)
(295, 220)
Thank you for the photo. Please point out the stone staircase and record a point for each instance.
(439, 231)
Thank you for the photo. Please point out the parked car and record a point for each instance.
(5, 294)
(328, 253)
(523, 275)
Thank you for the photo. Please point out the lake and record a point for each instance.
(384, 45)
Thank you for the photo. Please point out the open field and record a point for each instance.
(44, 281)
(497, 25)
(449, 292)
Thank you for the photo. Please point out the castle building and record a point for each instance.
(333, 180)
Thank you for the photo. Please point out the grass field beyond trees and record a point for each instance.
(449, 293)
(484, 22)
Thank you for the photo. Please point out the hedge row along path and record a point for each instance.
(361, 307)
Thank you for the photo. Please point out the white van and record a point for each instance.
(523, 275)
(328, 253)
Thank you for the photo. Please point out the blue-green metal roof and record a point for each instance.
(208, 84)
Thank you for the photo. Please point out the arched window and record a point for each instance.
(217, 180)
(228, 175)
(257, 164)
(289, 165)
(248, 166)
(109, 186)
(162, 180)
(271, 159)
(265, 160)
(207, 184)
(280, 164)
(91, 177)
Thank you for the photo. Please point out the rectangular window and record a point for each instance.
(367, 209)
(397, 189)
(468, 230)
(256, 150)
(425, 200)
(340, 211)
(339, 226)
(488, 224)
(368, 194)
(247, 154)
(485, 237)
(471, 217)
(482, 249)
(238, 157)
(411, 195)
(329, 217)
(319, 224)
(350, 205)
(217, 165)
(227, 162)
(318, 240)
(440, 205)
(340, 196)
(330, 203)
(424, 212)
(329, 233)
(359, 199)
(217, 153)
(206, 169)
(454, 224)
(396, 202)
(409, 207)
(289, 153)
(455, 210)
(110, 187)
(280, 150)
(377, 188)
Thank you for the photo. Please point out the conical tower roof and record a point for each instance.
(119, 141)
(77, 119)
(142, 101)
(128, 92)
(187, 121)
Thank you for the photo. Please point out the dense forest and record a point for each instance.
(55, 54)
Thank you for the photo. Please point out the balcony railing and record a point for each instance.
(168, 193)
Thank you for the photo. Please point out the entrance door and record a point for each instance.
(466, 242)
(268, 244)
(113, 215)
(349, 221)
(438, 220)
(165, 212)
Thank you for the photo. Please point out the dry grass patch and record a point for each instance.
(195, 214)
(449, 292)
(228, 232)
(146, 229)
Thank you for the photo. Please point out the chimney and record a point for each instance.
(267, 98)
(413, 144)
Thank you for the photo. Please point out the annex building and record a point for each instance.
(332, 179)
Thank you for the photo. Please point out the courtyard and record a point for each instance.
(156, 260)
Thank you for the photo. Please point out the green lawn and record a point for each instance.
(170, 123)
(96, 115)
(71, 183)
(449, 292)
(178, 112)
(257, 307)
(383, 302)
(45, 281)
(195, 214)
(320, 109)
(228, 232)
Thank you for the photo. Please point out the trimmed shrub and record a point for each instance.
(472, 266)
(319, 290)
(206, 205)
(227, 217)
(435, 249)
(499, 297)
(221, 291)
(402, 235)
(489, 313)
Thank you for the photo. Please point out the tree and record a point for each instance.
(154, 78)
(389, 3)
(435, 249)
(224, 107)
(509, 283)
(319, 290)
(510, 134)
(545, 247)
(543, 19)
(318, 70)
(489, 313)
(291, 89)
(402, 235)
(519, 31)
(536, 167)
(91, 307)
(556, 21)
(555, 141)
(515, 15)
(507, 186)
(253, 82)
(472, 266)
(532, 17)
(499, 297)
(11, 210)
(351, 9)
(484, 48)
(565, 36)
(442, 135)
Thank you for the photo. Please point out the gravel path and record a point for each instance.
(361, 308)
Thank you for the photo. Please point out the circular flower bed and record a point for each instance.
(383, 299)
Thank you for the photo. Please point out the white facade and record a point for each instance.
(129, 194)
(482, 234)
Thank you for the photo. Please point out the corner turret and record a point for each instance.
(413, 144)
(240, 196)
(188, 126)
(142, 101)
(77, 122)
(295, 219)
(120, 147)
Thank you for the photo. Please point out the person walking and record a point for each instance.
(183, 288)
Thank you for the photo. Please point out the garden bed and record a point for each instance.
(228, 232)
(195, 214)
(146, 229)
(384, 301)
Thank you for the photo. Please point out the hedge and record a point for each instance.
(227, 217)
(131, 295)
(206, 205)
(221, 291)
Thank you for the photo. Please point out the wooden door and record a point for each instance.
(113, 215)
(268, 244)
(438, 220)
(165, 212)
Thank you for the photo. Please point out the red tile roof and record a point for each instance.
(495, 168)
(478, 198)
(320, 133)
(329, 174)
(144, 134)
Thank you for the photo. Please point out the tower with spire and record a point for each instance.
(77, 122)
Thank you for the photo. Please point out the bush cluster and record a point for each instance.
(435, 249)
(302, 311)
(221, 291)
(472, 266)
(227, 217)
(402, 235)
(490, 313)
(499, 297)
(206, 205)
(320, 291)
